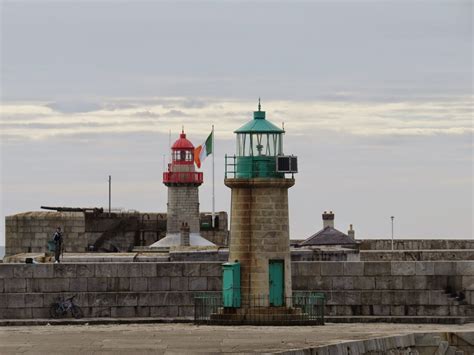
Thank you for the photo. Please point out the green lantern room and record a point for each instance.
(259, 150)
(258, 143)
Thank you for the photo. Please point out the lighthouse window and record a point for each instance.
(265, 144)
(183, 155)
(259, 144)
(189, 156)
(239, 145)
(243, 144)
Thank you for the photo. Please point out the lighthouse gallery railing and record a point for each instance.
(248, 167)
(182, 177)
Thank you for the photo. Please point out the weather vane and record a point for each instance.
(259, 106)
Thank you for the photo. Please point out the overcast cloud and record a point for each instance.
(376, 99)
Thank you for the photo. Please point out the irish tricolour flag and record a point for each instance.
(205, 149)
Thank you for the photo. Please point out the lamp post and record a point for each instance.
(392, 218)
(110, 193)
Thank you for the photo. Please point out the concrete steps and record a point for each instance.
(259, 314)
(261, 310)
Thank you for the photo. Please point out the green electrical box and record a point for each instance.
(231, 284)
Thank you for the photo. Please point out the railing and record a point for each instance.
(248, 167)
(230, 166)
(304, 308)
(182, 177)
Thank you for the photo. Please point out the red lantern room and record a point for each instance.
(181, 169)
(183, 150)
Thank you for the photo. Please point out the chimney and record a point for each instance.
(351, 232)
(184, 235)
(328, 219)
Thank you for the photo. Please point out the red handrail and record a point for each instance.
(183, 177)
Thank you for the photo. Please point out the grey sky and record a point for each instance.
(376, 98)
(235, 49)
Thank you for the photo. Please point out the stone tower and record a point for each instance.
(183, 196)
(259, 232)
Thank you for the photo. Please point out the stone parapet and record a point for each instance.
(29, 232)
(166, 289)
(417, 255)
(416, 244)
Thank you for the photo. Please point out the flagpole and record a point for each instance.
(213, 190)
(169, 145)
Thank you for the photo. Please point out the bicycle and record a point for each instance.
(63, 306)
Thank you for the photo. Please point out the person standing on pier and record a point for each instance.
(58, 241)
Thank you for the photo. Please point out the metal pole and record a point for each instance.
(213, 189)
(110, 193)
(169, 144)
(392, 230)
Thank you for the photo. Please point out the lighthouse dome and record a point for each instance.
(182, 143)
(181, 168)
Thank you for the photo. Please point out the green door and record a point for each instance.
(231, 284)
(276, 279)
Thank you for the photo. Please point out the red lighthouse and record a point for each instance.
(181, 170)
(183, 196)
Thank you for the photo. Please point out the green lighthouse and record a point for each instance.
(258, 143)
(259, 231)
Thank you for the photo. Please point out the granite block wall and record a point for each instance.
(390, 288)
(416, 244)
(30, 231)
(219, 236)
(167, 289)
(417, 255)
(106, 289)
